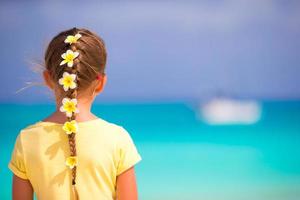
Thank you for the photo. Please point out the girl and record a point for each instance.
(47, 159)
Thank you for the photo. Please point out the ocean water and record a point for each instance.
(184, 158)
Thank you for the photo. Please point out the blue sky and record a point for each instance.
(162, 50)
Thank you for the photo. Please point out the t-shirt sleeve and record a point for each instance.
(127, 151)
(16, 163)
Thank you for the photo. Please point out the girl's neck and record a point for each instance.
(84, 114)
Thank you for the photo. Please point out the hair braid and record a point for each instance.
(84, 59)
(71, 94)
(71, 137)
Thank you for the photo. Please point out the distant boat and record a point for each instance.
(230, 111)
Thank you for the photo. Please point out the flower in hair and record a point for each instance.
(72, 38)
(71, 161)
(70, 127)
(69, 106)
(68, 81)
(69, 57)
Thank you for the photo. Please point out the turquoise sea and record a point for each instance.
(187, 159)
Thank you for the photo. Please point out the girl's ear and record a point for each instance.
(47, 79)
(101, 84)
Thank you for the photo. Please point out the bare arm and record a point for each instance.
(22, 189)
(126, 185)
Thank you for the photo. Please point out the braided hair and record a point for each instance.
(75, 58)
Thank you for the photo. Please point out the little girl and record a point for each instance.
(47, 159)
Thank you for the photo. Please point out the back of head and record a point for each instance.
(90, 62)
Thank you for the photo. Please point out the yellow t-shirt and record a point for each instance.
(104, 151)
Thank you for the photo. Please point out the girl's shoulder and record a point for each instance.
(104, 126)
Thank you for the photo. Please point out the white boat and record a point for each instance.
(230, 111)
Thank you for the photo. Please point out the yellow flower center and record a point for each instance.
(70, 106)
(69, 57)
(67, 81)
(71, 161)
(70, 127)
(72, 39)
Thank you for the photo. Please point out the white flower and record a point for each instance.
(71, 161)
(72, 38)
(70, 127)
(69, 106)
(68, 81)
(69, 57)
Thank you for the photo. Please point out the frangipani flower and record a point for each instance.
(69, 106)
(69, 57)
(72, 38)
(70, 127)
(71, 161)
(68, 81)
